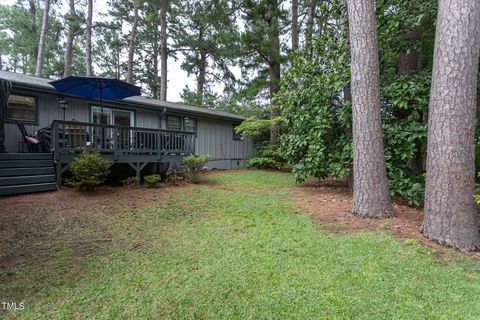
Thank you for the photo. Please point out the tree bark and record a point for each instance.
(33, 13)
(88, 39)
(202, 66)
(163, 51)
(370, 190)
(274, 68)
(450, 216)
(67, 70)
(43, 37)
(309, 28)
(294, 25)
(131, 45)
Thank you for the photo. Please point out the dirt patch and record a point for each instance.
(330, 204)
(38, 225)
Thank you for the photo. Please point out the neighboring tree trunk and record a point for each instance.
(43, 37)
(131, 45)
(163, 51)
(411, 60)
(370, 191)
(450, 216)
(156, 87)
(33, 14)
(294, 25)
(88, 39)
(310, 22)
(274, 38)
(202, 66)
(67, 70)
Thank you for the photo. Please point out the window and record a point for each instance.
(22, 108)
(174, 123)
(189, 124)
(236, 136)
(112, 116)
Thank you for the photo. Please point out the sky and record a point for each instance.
(177, 78)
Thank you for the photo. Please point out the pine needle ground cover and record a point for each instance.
(236, 246)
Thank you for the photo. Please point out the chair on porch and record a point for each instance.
(32, 143)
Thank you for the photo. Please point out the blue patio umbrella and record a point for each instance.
(95, 88)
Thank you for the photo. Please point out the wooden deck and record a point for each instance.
(118, 144)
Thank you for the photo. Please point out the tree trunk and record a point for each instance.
(370, 190)
(33, 13)
(67, 70)
(202, 66)
(131, 45)
(274, 57)
(43, 37)
(156, 87)
(163, 51)
(310, 22)
(294, 25)
(450, 216)
(88, 39)
(410, 61)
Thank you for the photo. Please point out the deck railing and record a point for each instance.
(76, 137)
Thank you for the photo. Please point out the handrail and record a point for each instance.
(75, 136)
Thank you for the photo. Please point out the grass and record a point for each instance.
(237, 248)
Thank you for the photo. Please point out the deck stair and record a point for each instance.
(26, 172)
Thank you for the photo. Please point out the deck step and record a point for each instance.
(24, 180)
(25, 163)
(26, 172)
(13, 172)
(26, 156)
(28, 188)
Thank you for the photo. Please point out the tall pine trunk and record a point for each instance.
(370, 187)
(294, 25)
(67, 70)
(274, 68)
(310, 23)
(450, 216)
(163, 51)
(202, 67)
(88, 39)
(42, 41)
(131, 45)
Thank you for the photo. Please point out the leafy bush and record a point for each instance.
(254, 127)
(88, 170)
(195, 164)
(171, 176)
(265, 157)
(130, 181)
(152, 180)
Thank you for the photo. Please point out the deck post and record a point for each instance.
(58, 171)
(138, 167)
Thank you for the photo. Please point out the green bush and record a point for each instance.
(195, 164)
(152, 180)
(130, 181)
(171, 176)
(88, 171)
(265, 157)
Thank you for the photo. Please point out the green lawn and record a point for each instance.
(237, 248)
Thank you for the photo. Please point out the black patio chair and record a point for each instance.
(32, 143)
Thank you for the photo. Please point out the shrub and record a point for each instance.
(152, 180)
(195, 164)
(265, 157)
(88, 170)
(171, 176)
(130, 181)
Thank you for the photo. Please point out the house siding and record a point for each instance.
(214, 136)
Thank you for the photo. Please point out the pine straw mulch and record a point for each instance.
(329, 204)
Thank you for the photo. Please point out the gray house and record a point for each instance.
(137, 132)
